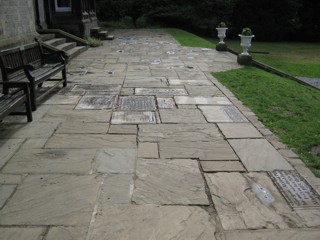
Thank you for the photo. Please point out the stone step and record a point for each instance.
(94, 32)
(66, 46)
(46, 37)
(73, 52)
(55, 41)
(103, 35)
(109, 37)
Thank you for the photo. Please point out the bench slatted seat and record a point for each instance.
(29, 63)
(17, 96)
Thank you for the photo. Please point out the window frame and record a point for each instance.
(62, 9)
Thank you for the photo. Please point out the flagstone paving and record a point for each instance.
(145, 144)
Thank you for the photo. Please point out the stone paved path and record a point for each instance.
(145, 144)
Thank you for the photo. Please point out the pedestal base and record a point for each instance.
(221, 47)
(244, 59)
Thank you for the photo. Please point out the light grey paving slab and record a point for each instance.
(165, 103)
(137, 103)
(31, 130)
(7, 148)
(222, 166)
(218, 114)
(34, 143)
(259, 155)
(153, 222)
(286, 234)
(133, 117)
(203, 91)
(146, 82)
(148, 150)
(239, 207)
(51, 161)
(5, 193)
(311, 216)
(87, 141)
(97, 102)
(79, 127)
(108, 89)
(66, 115)
(63, 99)
(117, 189)
(181, 116)
(10, 179)
(179, 133)
(199, 100)
(190, 82)
(115, 160)
(22, 233)
(50, 200)
(123, 129)
(216, 150)
(161, 91)
(174, 181)
(67, 233)
(190, 74)
(239, 130)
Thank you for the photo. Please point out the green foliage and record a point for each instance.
(93, 42)
(246, 32)
(222, 25)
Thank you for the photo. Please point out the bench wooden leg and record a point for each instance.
(64, 76)
(33, 97)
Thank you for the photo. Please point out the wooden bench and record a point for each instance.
(30, 63)
(18, 94)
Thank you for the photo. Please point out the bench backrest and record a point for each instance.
(11, 58)
(33, 54)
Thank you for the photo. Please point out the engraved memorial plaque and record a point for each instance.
(295, 189)
(137, 103)
(234, 114)
(165, 103)
(132, 117)
(96, 102)
(161, 91)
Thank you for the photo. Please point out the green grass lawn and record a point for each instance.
(289, 109)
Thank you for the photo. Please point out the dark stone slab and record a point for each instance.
(295, 189)
(137, 103)
(234, 114)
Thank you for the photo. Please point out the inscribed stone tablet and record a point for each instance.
(137, 103)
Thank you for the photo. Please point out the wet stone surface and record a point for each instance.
(137, 103)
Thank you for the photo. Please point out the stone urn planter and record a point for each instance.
(246, 36)
(222, 29)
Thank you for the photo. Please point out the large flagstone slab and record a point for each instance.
(215, 150)
(137, 103)
(86, 141)
(5, 193)
(203, 91)
(239, 207)
(176, 181)
(52, 200)
(23, 233)
(67, 233)
(7, 148)
(239, 130)
(51, 161)
(165, 103)
(82, 127)
(179, 133)
(107, 89)
(133, 222)
(217, 114)
(199, 100)
(133, 117)
(181, 116)
(116, 160)
(190, 82)
(259, 155)
(161, 91)
(97, 102)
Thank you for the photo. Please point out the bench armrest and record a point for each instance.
(60, 54)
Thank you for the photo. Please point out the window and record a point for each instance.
(63, 5)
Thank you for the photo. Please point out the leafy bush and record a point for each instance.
(94, 42)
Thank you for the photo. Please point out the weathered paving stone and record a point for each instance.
(5, 193)
(86, 141)
(239, 208)
(7, 148)
(137, 103)
(239, 130)
(222, 114)
(62, 99)
(34, 143)
(153, 222)
(148, 150)
(65, 115)
(216, 150)
(117, 189)
(10, 179)
(123, 129)
(165, 103)
(222, 166)
(259, 155)
(51, 161)
(22, 233)
(108, 89)
(133, 117)
(50, 200)
(67, 233)
(286, 234)
(179, 133)
(181, 116)
(174, 181)
(202, 100)
(78, 127)
(311, 216)
(145, 82)
(161, 91)
(203, 90)
(116, 160)
(190, 82)
(97, 102)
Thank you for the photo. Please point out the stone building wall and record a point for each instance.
(17, 22)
